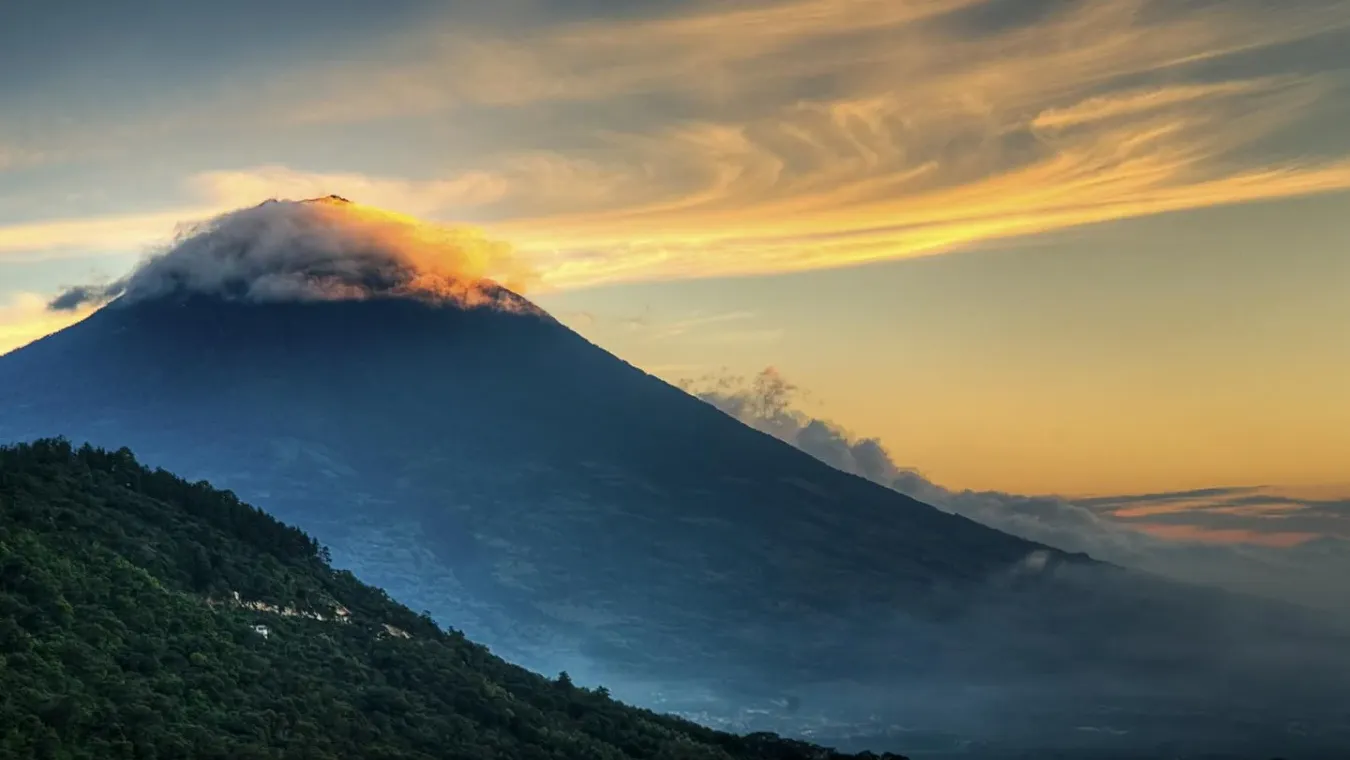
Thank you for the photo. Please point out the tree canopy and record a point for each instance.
(144, 616)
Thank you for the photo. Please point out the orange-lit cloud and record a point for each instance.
(1195, 533)
(1181, 507)
(718, 54)
(929, 138)
(322, 249)
(113, 233)
(821, 185)
(808, 134)
(712, 53)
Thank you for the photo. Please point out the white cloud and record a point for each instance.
(802, 134)
(1310, 573)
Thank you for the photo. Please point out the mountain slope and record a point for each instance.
(575, 514)
(144, 616)
(497, 443)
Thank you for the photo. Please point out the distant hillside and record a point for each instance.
(143, 616)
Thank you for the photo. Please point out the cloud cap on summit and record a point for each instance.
(322, 249)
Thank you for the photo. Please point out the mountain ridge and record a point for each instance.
(114, 647)
(576, 514)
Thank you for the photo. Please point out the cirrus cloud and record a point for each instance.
(713, 140)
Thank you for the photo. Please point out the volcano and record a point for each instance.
(526, 487)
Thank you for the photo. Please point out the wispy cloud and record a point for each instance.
(805, 134)
(710, 54)
(815, 134)
(1133, 103)
(1166, 497)
(1264, 508)
(105, 234)
(1201, 534)
(1200, 542)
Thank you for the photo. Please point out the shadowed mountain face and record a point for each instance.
(572, 512)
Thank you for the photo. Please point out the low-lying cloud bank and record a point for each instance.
(318, 250)
(1309, 573)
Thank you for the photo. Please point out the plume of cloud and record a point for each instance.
(1308, 573)
(78, 296)
(322, 249)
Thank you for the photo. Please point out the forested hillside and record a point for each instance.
(143, 616)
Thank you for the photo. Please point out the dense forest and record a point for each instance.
(143, 616)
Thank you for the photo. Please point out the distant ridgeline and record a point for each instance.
(143, 616)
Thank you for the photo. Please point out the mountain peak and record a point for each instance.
(320, 249)
(331, 199)
(575, 513)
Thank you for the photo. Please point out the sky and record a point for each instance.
(1092, 249)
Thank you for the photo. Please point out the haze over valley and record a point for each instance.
(673, 379)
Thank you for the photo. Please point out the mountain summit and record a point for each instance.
(333, 199)
(480, 461)
(322, 249)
